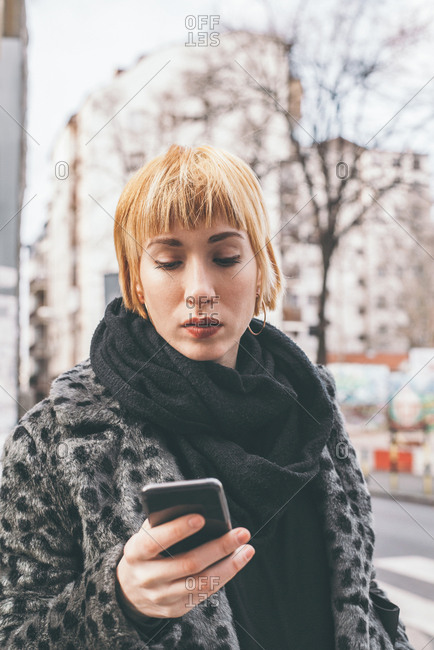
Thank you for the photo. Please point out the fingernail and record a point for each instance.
(248, 552)
(243, 535)
(195, 521)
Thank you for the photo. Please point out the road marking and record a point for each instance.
(413, 566)
(415, 611)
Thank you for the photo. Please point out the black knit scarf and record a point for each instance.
(259, 428)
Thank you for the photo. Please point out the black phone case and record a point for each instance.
(166, 501)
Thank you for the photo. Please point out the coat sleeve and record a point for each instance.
(50, 595)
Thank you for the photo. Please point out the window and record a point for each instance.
(362, 310)
(381, 271)
(382, 329)
(291, 270)
(381, 302)
(134, 161)
(40, 297)
(111, 287)
(312, 300)
(400, 301)
(39, 333)
(291, 299)
(416, 163)
(41, 366)
(312, 238)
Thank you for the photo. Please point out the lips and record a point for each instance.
(202, 328)
(202, 322)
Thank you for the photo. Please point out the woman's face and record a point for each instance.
(207, 272)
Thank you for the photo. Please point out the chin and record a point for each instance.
(203, 354)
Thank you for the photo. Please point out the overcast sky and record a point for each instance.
(75, 46)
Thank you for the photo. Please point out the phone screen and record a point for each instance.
(166, 501)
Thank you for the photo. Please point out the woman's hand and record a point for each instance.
(167, 587)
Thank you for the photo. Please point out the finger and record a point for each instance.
(200, 558)
(149, 541)
(195, 588)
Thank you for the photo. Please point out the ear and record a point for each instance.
(258, 280)
(139, 291)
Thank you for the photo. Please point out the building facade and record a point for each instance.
(193, 96)
(13, 79)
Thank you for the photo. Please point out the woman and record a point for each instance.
(164, 397)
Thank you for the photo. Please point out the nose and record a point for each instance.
(199, 286)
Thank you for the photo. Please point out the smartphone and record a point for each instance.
(166, 501)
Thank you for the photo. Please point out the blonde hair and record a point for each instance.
(185, 187)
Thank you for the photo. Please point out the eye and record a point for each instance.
(165, 265)
(222, 261)
(228, 261)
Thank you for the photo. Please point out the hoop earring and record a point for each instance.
(263, 324)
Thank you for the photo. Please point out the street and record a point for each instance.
(404, 559)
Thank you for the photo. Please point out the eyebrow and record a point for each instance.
(170, 241)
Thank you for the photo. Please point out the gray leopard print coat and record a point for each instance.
(72, 470)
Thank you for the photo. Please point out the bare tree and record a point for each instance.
(348, 60)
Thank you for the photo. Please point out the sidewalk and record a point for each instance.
(410, 488)
(418, 639)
